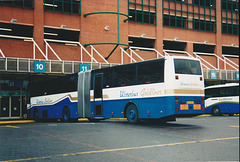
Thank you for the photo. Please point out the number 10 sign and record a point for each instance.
(39, 66)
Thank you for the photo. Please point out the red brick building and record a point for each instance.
(65, 33)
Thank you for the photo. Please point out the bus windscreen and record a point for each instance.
(184, 66)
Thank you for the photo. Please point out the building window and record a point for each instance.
(227, 50)
(16, 30)
(204, 48)
(230, 17)
(61, 34)
(174, 45)
(179, 0)
(174, 21)
(230, 28)
(205, 3)
(65, 6)
(142, 11)
(18, 3)
(141, 42)
(204, 25)
(190, 14)
(231, 5)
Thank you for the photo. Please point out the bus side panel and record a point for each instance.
(51, 106)
(55, 111)
(226, 108)
(152, 107)
(73, 107)
(114, 108)
(155, 108)
(111, 109)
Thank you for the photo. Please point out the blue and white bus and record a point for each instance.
(162, 88)
(222, 99)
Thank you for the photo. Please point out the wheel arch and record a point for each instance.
(126, 106)
(214, 108)
(66, 109)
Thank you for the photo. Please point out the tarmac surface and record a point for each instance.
(204, 138)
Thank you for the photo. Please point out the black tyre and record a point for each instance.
(216, 111)
(36, 115)
(132, 114)
(66, 114)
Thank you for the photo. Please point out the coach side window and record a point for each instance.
(229, 91)
(124, 75)
(107, 78)
(151, 72)
(213, 92)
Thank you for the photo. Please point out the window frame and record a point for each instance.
(109, 74)
(17, 3)
(230, 20)
(184, 68)
(219, 92)
(181, 10)
(52, 5)
(143, 13)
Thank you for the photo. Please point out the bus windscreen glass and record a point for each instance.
(183, 66)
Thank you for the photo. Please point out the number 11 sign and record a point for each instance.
(84, 67)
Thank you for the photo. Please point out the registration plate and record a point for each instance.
(190, 102)
(197, 107)
(183, 107)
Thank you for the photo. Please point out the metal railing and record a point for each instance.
(134, 53)
(94, 50)
(158, 54)
(175, 51)
(27, 39)
(203, 60)
(221, 74)
(227, 59)
(218, 61)
(11, 64)
(82, 50)
(122, 56)
(2, 53)
(68, 67)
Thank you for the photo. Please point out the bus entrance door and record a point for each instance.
(98, 96)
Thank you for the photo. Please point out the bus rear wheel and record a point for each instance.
(216, 111)
(66, 114)
(132, 114)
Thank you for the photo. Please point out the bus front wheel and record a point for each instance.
(216, 111)
(132, 114)
(66, 114)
